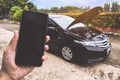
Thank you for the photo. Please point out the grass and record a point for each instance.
(4, 21)
(7, 21)
(117, 34)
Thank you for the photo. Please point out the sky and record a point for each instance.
(47, 4)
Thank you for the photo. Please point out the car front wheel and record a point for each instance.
(67, 53)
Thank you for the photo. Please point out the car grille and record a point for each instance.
(101, 40)
(97, 55)
(103, 43)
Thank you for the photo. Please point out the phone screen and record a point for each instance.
(31, 40)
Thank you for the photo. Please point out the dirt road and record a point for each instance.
(57, 69)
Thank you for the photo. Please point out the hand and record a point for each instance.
(8, 62)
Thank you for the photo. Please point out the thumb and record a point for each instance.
(14, 40)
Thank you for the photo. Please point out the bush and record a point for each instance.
(111, 19)
(17, 15)
(103, 20)
(74, 15)
(14, 9)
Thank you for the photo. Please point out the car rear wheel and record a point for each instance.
(67, 53)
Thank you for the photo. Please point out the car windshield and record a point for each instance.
(63, 21)
(77, 25)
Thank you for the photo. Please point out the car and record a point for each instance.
(77, 41)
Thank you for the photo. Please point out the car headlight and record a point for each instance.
(86, 43)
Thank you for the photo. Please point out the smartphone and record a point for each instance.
(32, 34)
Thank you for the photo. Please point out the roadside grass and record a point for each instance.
(4, 21)
(117, 34)
(8, 21)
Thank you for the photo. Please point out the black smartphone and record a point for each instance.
(32, 34)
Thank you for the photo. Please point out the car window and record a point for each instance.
(77, 26)
(63, 21)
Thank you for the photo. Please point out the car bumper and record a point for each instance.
(91, 54)
(97, 55)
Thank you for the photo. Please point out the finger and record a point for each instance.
(44, 58)
(14, 40)
(46, 47)
(47, 38)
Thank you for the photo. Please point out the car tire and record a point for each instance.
(67, 53)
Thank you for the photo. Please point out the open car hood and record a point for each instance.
(87, 16)
(85, 32)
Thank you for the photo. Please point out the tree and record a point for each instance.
(17, 15)
(14, 9)
(44, 10)
(74, 9)
(68, 9)
(104, 20)
(26, 8)
(54, 9)
(115, 7)
(31, 6)
(6, 5)
(106, 7)
(15, 12)
(20, 3)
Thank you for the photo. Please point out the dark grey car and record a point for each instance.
(76, 41)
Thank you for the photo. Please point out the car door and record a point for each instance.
(54, 34)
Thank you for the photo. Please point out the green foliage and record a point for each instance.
(16, 12)
(12, 6)
(54, 9)
(106, 7)
(117, 34)
(17, 15)
(44, 10)
(6, 5)
(68, 8)
(14, 9)
(115, 7)
(26, 8)
(20, 3)
(31, 6)
(108, 19)
(71, 9)
(65, 9)
(103, 21)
